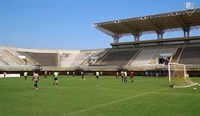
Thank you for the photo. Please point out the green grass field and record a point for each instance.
(106, 97)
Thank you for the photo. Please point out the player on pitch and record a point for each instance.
(82, 76)
(25, 76)
(122, 76)
(131, 76)
(125, 77)
(97, 75)
(45, 74)
(117, 74)
(55, 76)
(35, 79)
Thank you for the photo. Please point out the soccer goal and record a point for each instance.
(178, 76)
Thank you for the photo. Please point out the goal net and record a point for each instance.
(178, 76)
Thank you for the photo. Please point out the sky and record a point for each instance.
(68, 24)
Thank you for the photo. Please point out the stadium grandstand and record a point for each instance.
(141, 56)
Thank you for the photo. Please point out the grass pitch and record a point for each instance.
(106, 97)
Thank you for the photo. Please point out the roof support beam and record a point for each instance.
(159, 32)
(181, 22)
(186, 29)
(186, 32)
(125, 28)
(137, 37)
(116, 38)
(151, 25)
(136, 34)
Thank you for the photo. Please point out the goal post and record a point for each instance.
(178, 76)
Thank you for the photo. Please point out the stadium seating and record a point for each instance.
(96, 58)
(81, 57)
(29, 60)
(3, 63)
(144, 57)
(16, 55)
(154, 59)
(140, 59)
(118, 58)
(190, 55)
(45, 59)
(169, 50)
(68, 58)
(7, 59)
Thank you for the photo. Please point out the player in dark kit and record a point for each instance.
(45, 74)
(82, 76)
(131, 76)
(122, 75)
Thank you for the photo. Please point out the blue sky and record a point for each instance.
(67, 24)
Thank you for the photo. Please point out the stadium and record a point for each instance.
(140, 56)
(147, 58)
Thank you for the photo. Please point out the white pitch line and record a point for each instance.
(83, 110)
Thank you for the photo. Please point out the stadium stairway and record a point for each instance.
(176, 55)
(30, 60)
(14, 57)
(7, 58)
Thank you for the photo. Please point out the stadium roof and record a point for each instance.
(172, 21)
